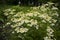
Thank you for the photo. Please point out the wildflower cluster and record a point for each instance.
(50, 35)
(38, 17)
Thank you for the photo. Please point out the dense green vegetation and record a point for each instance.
(40, 21)
(26, 2)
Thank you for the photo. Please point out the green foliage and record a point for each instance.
(30, 23)
(26, 2)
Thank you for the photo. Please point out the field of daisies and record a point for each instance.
(31, 23)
